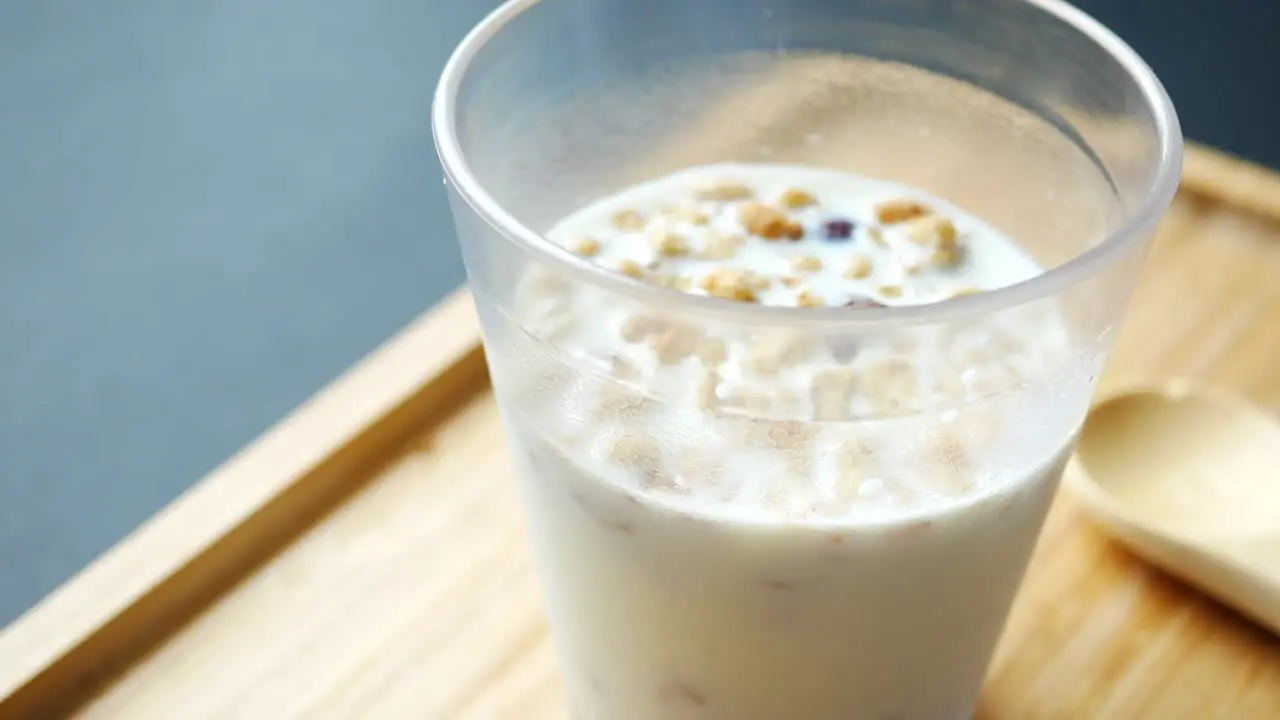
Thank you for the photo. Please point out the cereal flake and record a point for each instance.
(720, 246)
(586, 247)
(768, 223)
(795, 199)
(810, 299)
(628, 220)
(900, 210)
(730, 284)
(669, 244)
(630, 268)
(859, 267)
(725, 191)
(806, 263)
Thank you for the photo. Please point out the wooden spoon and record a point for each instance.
(1190, 481)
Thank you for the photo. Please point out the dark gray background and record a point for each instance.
(210, 208)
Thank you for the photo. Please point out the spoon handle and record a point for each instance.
(1251, 580)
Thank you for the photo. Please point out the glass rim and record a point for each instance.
(1137, 224)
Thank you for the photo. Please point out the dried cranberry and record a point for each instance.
(838, 229)
(864, 302)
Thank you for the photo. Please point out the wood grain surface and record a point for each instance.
(367, 558)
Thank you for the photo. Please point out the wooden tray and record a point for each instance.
(366, 558)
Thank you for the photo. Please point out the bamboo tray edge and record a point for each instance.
(148, 585)
(210, 537)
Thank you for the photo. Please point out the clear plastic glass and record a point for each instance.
(1026, 113)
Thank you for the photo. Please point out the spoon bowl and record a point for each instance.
(1190, 481)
